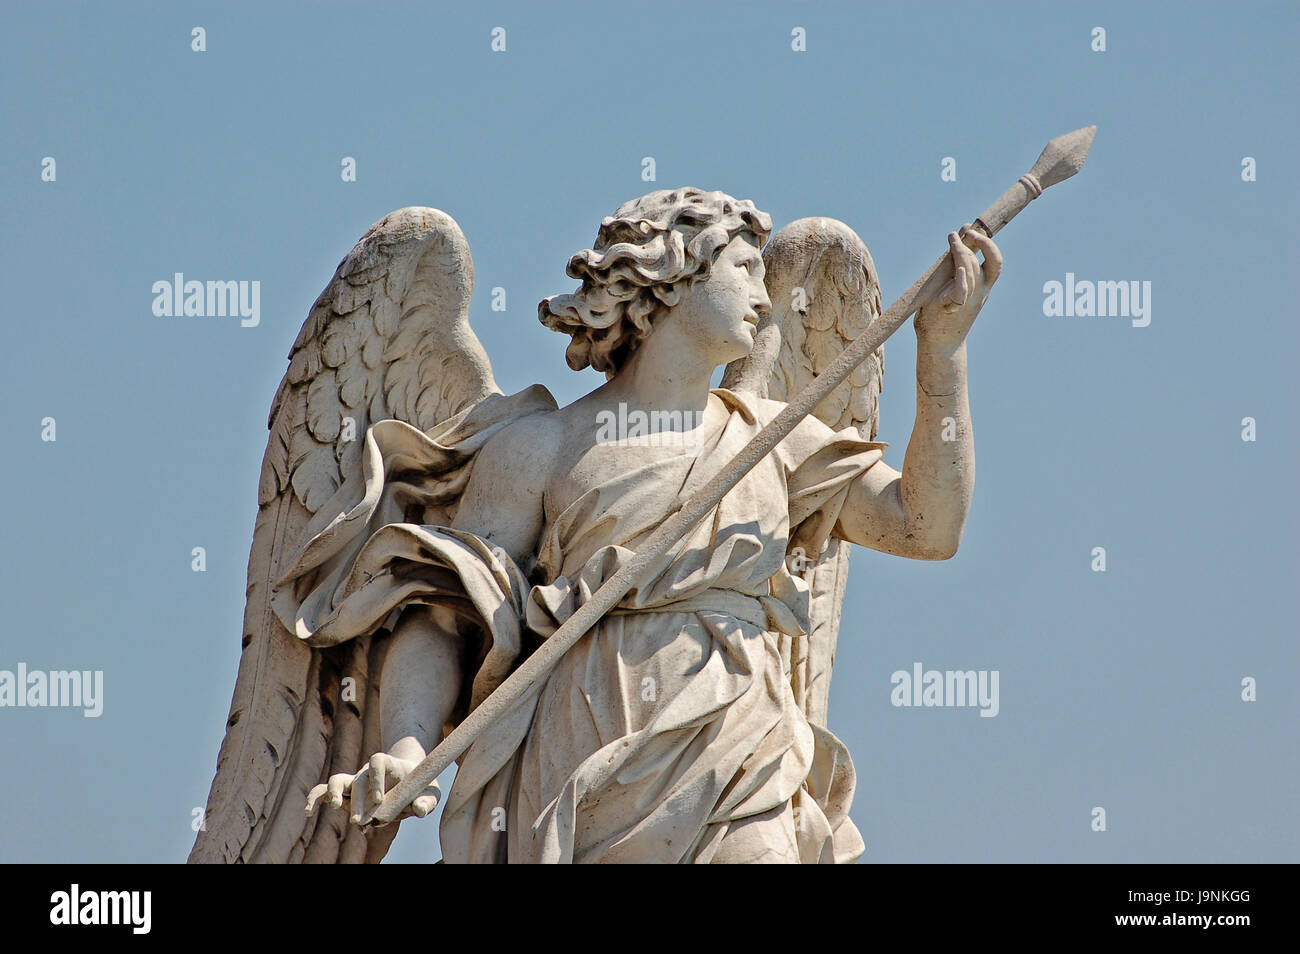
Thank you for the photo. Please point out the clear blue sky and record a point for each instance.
(1119, 689)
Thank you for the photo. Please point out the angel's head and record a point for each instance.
(651, 256)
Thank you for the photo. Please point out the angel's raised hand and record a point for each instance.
(365, 790)
(950, 314)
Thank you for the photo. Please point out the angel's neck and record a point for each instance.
(663, 374)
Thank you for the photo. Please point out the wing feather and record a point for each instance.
(825, 292)
(388, 337)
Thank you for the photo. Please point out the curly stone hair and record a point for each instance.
(645, 254)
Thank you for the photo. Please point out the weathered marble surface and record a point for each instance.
(420, 533)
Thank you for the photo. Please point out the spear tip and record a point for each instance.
(1063, 156)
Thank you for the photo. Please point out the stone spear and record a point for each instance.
(1061, 159)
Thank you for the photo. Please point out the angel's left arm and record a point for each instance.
(920, 512)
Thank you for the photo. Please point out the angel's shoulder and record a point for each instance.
(526, 448)
(507, 483)
(809, 431)
(809, 437)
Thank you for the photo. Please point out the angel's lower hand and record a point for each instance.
(947, 317)
(366, 789)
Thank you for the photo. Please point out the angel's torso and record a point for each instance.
(602, 493)
(588, 457)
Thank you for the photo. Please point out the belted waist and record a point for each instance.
(549, 605)
(765, 612)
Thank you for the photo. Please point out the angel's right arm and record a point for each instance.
(502, 503)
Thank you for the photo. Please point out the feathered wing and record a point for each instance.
(825, 292)
(389, 337)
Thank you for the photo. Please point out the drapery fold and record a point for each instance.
(670, 723)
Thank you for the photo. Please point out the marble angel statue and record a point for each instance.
(420, 533)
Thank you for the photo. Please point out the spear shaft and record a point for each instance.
(1062, 158)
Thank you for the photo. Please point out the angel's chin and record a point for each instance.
(741, 350)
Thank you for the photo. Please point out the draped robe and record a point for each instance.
(672, 723)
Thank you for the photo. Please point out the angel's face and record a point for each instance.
(720, 314)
